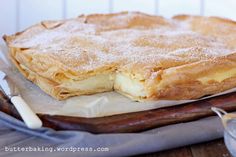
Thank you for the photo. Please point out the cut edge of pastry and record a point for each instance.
(130, 86)
(92, 85)
(195, 80)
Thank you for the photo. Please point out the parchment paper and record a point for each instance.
(97, 105)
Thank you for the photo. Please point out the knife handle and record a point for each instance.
(29, 117)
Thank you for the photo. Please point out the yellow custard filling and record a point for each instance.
(218, 77)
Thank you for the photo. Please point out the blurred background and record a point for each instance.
(16, 15)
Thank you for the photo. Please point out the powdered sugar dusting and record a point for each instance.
(84, 46)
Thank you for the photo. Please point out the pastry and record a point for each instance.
(141, 56)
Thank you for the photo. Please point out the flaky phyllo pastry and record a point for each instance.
(141, 56)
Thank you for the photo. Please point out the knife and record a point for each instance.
(10, 90)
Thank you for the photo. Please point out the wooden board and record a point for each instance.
(133, 122)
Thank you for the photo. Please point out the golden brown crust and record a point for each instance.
(184, 82)
(169, 55)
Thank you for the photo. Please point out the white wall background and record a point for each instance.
(16, 15)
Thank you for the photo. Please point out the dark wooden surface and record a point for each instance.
(215, 148)
(133, 122)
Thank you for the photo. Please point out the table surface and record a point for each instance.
(214, 148)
